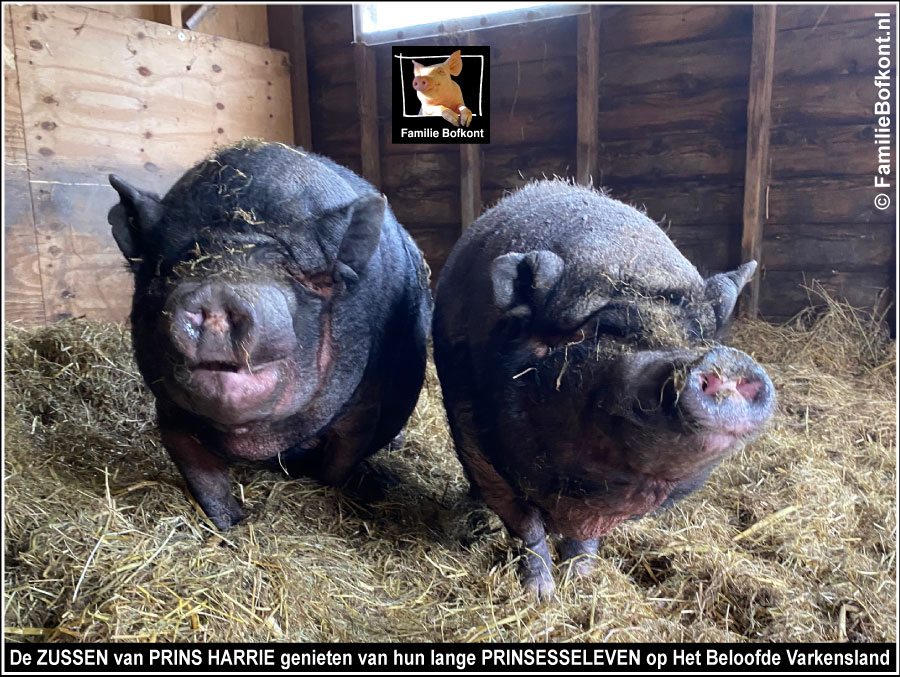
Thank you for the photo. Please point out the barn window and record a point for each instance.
(381, 22)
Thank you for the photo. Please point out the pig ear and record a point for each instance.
(454, 63)
(416, 67)
(362, 235)
(523, 281)
(132, 218)
(722, 291)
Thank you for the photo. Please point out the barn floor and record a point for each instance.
(792, 539)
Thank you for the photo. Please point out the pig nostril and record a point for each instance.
(749, 390)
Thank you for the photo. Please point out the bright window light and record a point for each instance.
(384, 16)
(380, 22)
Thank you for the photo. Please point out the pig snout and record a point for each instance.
(728, 392)
(421, 84)
(221, 326)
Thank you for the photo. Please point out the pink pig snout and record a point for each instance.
(421, 84)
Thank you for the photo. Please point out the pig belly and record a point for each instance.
(586, 517)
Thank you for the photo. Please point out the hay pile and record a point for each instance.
(791, 540)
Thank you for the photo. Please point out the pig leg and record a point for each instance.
(206, 477)
(521, 520)
(465, 116)
(579, 555)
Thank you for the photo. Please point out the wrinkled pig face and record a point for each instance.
(606, 361)
(233, 306)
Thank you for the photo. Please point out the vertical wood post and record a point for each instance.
(364, 61)
(759, 124)
(588, 59)
(469, 182)
(286, 32)
(469, 174)
(168, 14)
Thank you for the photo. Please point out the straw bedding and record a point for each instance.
(792, 539)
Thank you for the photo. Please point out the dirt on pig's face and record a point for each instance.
(234, 331)
(240, 272)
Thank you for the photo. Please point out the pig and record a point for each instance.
(438, 93)
(280, 316)
(584, 382)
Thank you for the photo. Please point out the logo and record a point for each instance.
(441, 94)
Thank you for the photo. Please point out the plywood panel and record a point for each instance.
(245, 23)
(23, 296)
(105, 94)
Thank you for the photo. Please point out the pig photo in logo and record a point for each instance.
(440, 94)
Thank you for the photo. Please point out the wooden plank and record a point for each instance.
(424, 171)
(825, 246)
(672, 157)
(785, 292)
(683, 68)
(588, 85)
(630, 26)
(245, 23)
(287, 33)
(23, 294)
(146, 12)
(845, 100)
(469, 183)
(798, 55)
(105, 94)
(637, 117)
(716, 202)
(826, 200)
(175, 16)
(546, 122)
(469, 174)
(414, 205)
(815, 16)
(509, 168)
(821, 150)
(759, 122)
(364, 61)
(333, 27)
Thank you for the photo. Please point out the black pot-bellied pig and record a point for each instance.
(280, 314)
(576, 351)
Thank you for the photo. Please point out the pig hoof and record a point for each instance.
(578, 556)
(451, 117)
(539, 584)
(578, 567)
(465, 117)
(397, 442)
(227, 517)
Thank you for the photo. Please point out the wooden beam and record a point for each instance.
(469, 172)
(367, 101)
(168, 14)
(286, 32)
(588, 59)
(759, 123)
(469, 182)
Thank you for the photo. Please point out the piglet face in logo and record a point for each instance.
(439, 94)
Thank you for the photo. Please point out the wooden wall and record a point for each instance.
(671, 134)
(674, 83)
(88, 94)
(822, 221)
